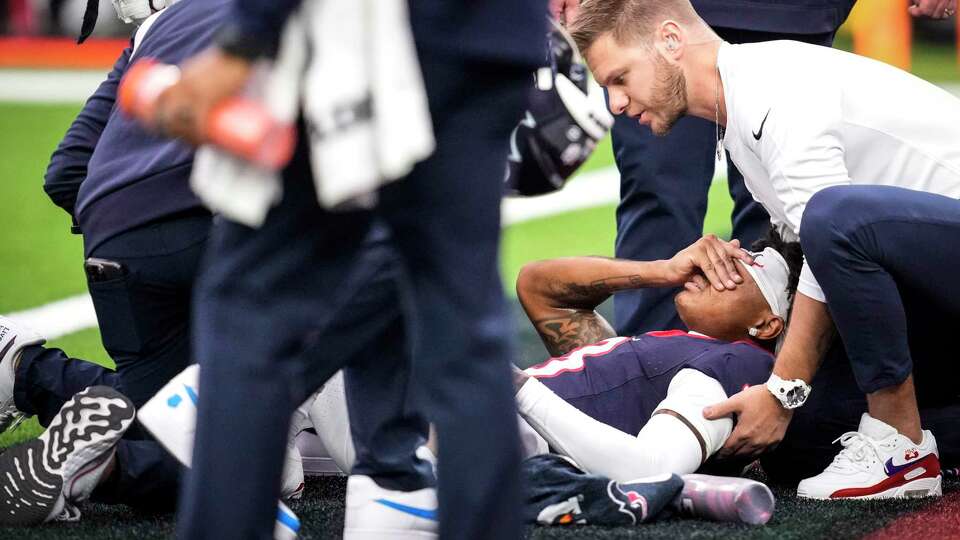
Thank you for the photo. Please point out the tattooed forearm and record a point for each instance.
(561, 335)
(594, 293)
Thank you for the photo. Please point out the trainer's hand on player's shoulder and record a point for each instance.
(760, 421)
(935, 9)
(712, 257)
(564, 11)
(205, 80)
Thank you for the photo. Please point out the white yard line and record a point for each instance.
(49, 86)
(596, 188)
(59, 318)
(75, 86)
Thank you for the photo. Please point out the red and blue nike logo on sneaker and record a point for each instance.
(892, 469)
(927, 466)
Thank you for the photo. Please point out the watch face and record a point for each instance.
(796, 396)
(791, 394)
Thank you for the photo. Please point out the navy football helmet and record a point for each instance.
(566, 117)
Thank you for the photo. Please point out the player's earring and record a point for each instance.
(753, 332)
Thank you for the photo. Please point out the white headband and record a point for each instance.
(771, 273)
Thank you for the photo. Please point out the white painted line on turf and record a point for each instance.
(75, 86)
(49, 86)
(59, 318)
(595, 188)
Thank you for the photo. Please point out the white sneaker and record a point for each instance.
(13, 338)
(171, 414)
(877, 462)
(375, 513)
(171, 417)
(44, 478)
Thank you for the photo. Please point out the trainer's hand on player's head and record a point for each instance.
(712, 257)
(205, 80)
(935, 9)
(760, 421)
(564, 11)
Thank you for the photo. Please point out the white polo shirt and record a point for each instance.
(801, 118)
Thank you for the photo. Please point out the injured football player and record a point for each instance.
(628, 407)
(625, 413)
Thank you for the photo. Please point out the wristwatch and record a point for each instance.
(791, 394)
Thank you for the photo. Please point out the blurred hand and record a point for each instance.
(760, 421)
(935, 9)
(712, 257)
(205, 80)
(564, 11)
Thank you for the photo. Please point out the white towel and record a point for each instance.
(351, 67)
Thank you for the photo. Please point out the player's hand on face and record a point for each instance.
(935, 9)
(205, 80)
(564, 11)
(711, 257)
(760, 421)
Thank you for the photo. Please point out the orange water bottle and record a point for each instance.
(238, 125)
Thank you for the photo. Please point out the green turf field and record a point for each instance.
(41, 262)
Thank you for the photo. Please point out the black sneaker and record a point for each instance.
(41, 480)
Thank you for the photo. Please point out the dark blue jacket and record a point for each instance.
(108, 172)
(780, 16)
(510, 31)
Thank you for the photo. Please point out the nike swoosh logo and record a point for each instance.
(174, 400)
(892, 469)
(287, 519)
(191, 394)
(758, 134)
(412, 510)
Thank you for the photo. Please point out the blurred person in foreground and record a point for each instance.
(276, 261)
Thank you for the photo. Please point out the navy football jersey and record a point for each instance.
(620, 381)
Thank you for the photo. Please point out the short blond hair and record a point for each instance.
(627, 20)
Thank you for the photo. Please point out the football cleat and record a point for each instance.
(171, 416)
(13, 338)
(374, 513)
(877, 462)
(43, 479)
(724, 498)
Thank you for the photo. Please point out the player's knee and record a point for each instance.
(826, 218)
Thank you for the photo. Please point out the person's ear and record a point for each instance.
(671, 40)
(769, 328)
